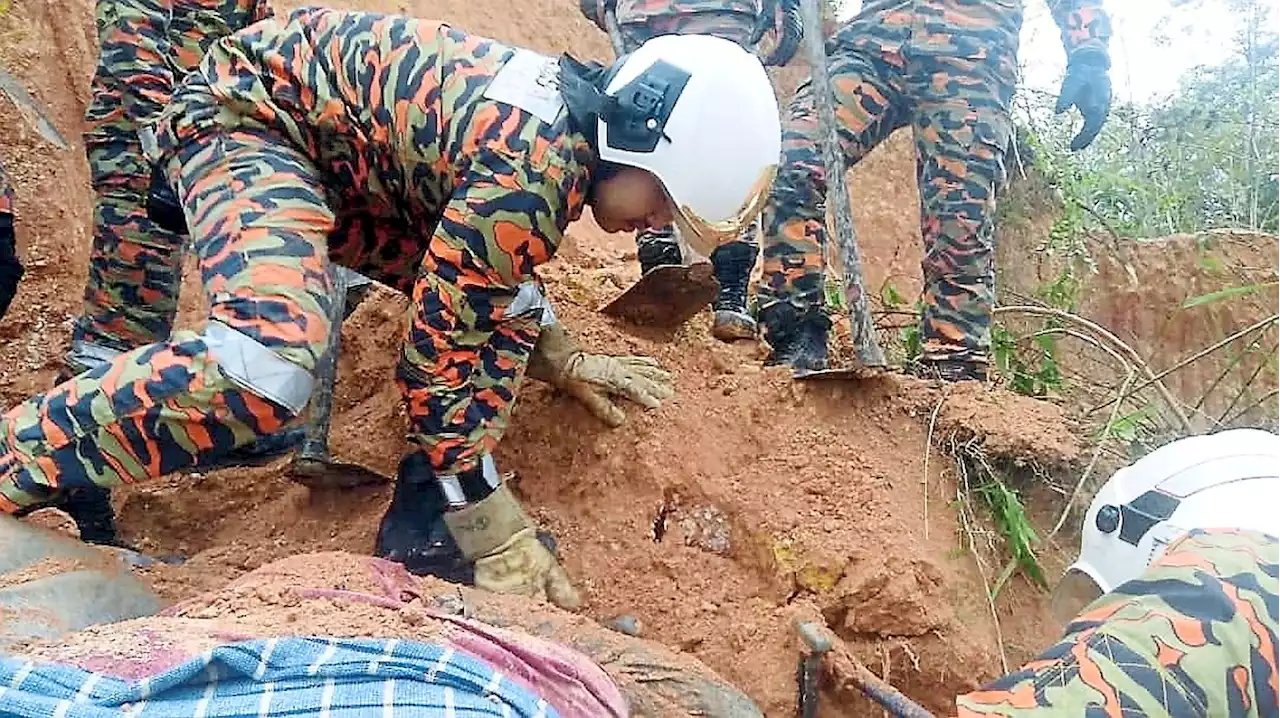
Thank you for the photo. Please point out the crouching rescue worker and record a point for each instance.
(446, 166)
(947, 69)
(745, 22)
(11, 270)
(1171, 607)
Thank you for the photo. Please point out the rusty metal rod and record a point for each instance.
(864, 335)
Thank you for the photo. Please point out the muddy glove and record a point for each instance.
(1087, 87)
(499, 537)
(592, 378)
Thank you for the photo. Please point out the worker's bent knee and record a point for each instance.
(259, 369)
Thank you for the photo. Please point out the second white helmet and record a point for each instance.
(1228, 480)
(700, 114)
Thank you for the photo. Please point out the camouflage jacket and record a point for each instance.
(409, 130)
(1195, 635)
(154, 42)
(968, 28)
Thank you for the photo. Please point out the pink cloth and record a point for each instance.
(566, 679)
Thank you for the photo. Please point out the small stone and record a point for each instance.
(413, 615)
(627, 624)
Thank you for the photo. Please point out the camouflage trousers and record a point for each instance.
(135, 266)
(958, 110)
(258, 210)
(1195, 635)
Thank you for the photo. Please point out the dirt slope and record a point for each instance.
(704, 519)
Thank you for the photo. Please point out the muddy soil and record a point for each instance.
(706, 519)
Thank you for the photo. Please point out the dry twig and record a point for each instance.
(928, 449)
(967, 520)
(1115, 341)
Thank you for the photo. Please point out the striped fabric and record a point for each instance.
(329, 678)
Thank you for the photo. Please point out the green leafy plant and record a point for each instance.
(1127, 428)
(1031, 371)
(1011, 521)
(909, 340)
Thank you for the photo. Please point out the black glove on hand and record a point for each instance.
(1087, 87)
(10, 268)
(163, 206)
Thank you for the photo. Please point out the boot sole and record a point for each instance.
(730, 326)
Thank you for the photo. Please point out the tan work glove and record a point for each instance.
(592, 378)
(499, 537)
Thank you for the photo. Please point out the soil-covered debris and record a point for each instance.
(705, 523)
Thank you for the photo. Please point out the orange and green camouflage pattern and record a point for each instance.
(733, 20)
(135, 266)
(947, 69)
(359, 138)
(1194, 636)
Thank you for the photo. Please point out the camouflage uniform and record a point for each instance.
(10, 266)
(736, 21)
(135, 266)
(947, 68)
(353, 137)
(1193, 636)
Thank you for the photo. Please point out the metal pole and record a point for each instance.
(864, 337)
(615, 35)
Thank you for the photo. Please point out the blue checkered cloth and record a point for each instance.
(279, 677)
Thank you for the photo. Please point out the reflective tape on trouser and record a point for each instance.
(86, 356)
(354, 279)
(154, 410)
(257, 368)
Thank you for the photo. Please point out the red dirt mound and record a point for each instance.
(705, 519)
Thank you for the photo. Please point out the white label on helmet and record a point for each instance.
(531, 82)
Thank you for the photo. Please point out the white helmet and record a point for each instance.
(1225, 480)
(699, 113)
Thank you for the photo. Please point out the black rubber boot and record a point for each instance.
(732, 264)
(413, 531)
(91, 510)
(951, 370)
(796, 338)
(11, 270)
(658, 248)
